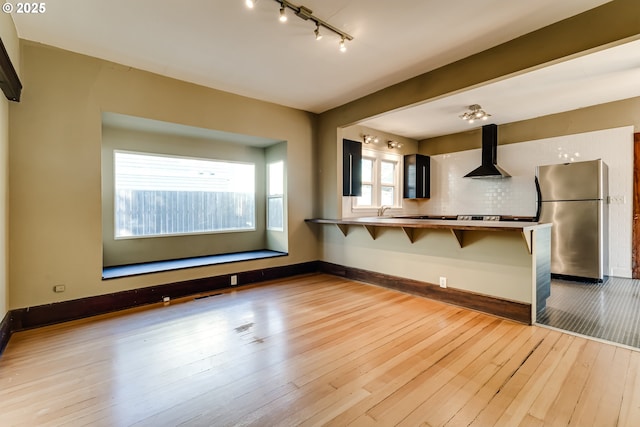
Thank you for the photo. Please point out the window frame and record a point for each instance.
(195, 233)
(274, 196)
(378, 157)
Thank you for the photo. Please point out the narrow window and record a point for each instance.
(367, 198)
(388, 183)
(275, 196)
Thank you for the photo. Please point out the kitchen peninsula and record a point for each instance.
(493, 266)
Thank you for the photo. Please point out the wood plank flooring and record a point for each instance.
(313, 350)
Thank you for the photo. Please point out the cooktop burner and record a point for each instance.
(478, 218)
(495, 218)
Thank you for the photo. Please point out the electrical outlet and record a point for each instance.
(59, 288)
(617, 200)
(234, 279)
(166, 299)
(443, 282)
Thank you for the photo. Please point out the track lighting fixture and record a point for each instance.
(343, 48)
(368, 139)
(475, 113)
(394, 144)
(306, 14)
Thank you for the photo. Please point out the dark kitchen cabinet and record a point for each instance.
(417, 183)
(351, 168)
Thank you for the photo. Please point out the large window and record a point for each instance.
(158, 195)
(380, 180)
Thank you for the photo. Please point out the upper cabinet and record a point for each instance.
(417, 183)
(351, 168)
(9, 81)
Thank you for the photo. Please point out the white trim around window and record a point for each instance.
(381, 182)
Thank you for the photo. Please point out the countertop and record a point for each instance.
(434, 223)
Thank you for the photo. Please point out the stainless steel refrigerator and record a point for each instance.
(573, 197)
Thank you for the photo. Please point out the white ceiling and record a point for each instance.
(223, 45)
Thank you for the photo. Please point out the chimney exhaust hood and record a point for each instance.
(489, 168)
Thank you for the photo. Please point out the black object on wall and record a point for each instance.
(351, 168)
(9, 81)
(489, 167)
(417, 182)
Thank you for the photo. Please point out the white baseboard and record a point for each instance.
(621, 272)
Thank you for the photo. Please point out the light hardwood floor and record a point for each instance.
(313, 350)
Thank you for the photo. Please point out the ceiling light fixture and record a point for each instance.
(283, 14)
(475, 113)
(368, 139)
(394, 144)
(306, 14)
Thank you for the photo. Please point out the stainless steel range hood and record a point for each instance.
(489, 167)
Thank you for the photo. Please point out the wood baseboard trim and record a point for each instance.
(5, 331)
(42, 315)
(517, 311)
(48, 314)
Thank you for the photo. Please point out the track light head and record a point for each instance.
(317, 32)
(283, 13)
(368, 139)
(343, 47)
(250, 3)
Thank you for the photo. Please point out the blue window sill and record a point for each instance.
(178, 264)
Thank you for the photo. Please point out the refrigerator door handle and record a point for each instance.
(539, 194)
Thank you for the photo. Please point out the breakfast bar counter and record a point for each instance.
(457, 227)
(488, 263)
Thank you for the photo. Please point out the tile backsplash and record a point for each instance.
(453, 194)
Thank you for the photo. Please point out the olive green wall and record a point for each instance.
(55, 173)
(10, 40)
(490, 263)
(4, 207)
(355, 133)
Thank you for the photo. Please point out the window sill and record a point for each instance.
(179, 264)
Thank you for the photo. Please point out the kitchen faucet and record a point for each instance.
(382, 210)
